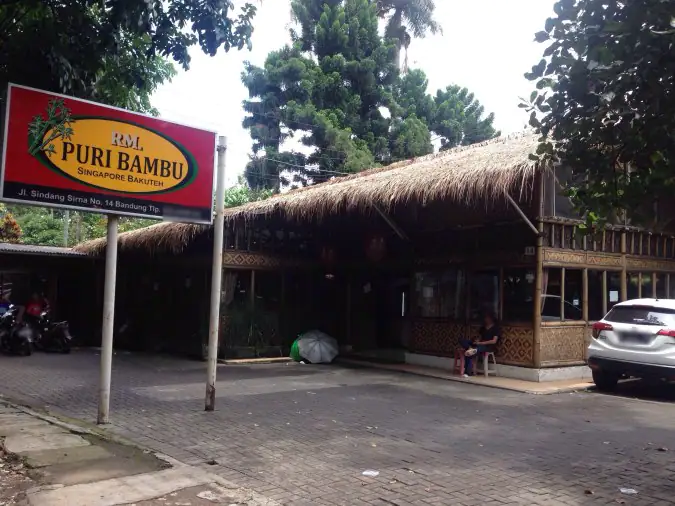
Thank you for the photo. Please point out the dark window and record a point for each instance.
(660, 281)
(518, 295)
(647, 285)
(552, 292)
(613, 289)
(595, 300)
(440, 294)
(242, 288)
(633, 285)
(484, 293)
(267, 291)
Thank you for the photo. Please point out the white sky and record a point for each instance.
(487, 46)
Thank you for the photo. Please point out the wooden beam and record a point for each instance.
(399, 232)
(522, 214)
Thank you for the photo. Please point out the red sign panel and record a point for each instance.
(70, 153)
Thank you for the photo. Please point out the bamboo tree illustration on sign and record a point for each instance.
(42, 132)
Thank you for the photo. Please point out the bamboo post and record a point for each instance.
(538, 282)
(251, 308)
(562, 294)
(584, 291)
(252, 292)
(574, 237)
(604, 292)
(624, 277)
(667, 286)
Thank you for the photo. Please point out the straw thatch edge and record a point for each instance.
(480, 172)
(466, 174)
(164, 237)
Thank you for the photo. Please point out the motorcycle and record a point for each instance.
(17, 339)
(52, 336)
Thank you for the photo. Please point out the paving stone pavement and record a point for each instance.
(304, 434)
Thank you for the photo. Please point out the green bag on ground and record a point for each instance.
(295, 352)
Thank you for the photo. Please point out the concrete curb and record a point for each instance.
(448, 377)
(252, 361)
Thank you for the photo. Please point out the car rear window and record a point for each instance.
(642, 315)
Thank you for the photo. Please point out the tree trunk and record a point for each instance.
(395, 25)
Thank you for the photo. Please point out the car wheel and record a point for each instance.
(606, 382)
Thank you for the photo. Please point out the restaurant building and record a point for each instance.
(400, 262)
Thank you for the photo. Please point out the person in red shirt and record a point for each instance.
(34, 307)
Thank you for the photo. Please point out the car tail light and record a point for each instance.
(599, 327)
(666, 332)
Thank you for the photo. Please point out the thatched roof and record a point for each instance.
(470, 174)
(164, 236)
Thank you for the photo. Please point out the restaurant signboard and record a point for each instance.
(75, 154)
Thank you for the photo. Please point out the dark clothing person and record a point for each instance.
(489, 334)
(488, 337)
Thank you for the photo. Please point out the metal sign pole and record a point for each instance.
(216, 278)
(108, 321)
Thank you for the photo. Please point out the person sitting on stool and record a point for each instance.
(488, 336)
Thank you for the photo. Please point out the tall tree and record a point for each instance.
(325, 88)
(330, 87)
(453, 114)
(407, 19)
(65, 45)
(605, 104)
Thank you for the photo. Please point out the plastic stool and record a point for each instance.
(486, 363)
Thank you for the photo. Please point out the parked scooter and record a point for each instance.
(17, 339)
(52, 336)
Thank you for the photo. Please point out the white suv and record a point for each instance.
(635, 339)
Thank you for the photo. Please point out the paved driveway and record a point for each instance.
(304, 434)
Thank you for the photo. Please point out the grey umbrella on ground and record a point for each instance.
(317, 347)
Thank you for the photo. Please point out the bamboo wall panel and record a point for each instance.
(646, 264)
(440, 338)
(558, 257)
(436, 337)
(249, 260)
(565, 345)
